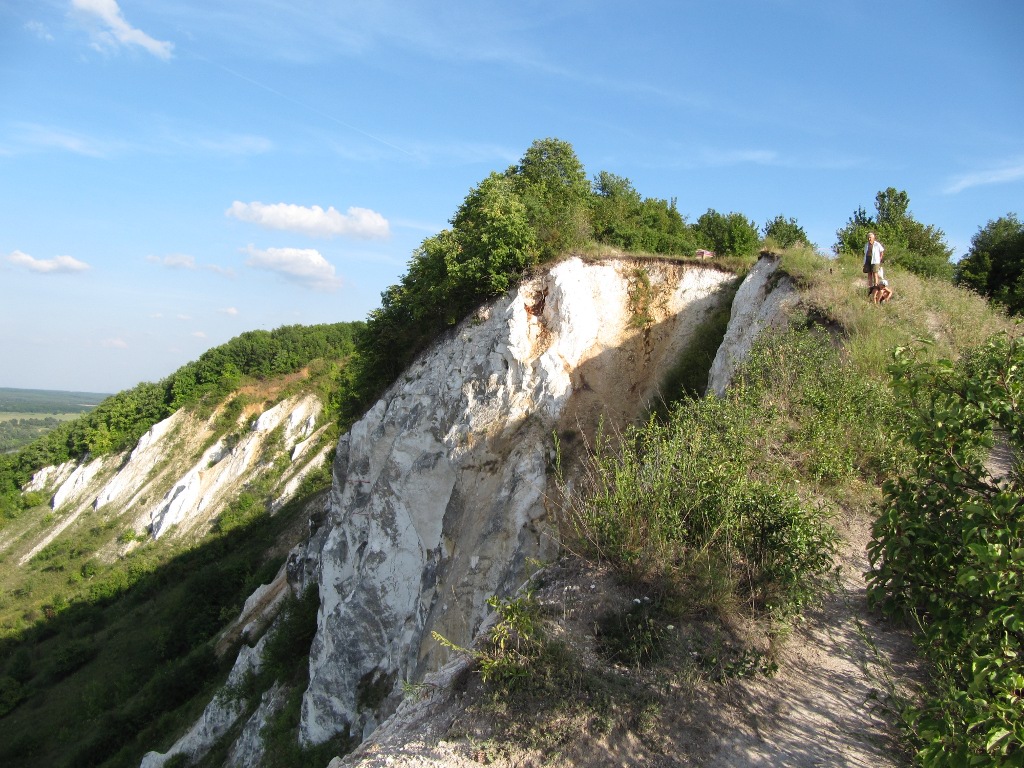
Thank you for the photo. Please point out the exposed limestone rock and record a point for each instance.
(248, 749)
(760, 303)
(203, 485)
(158, 468)
(50, 477)
(218, 717)
(440, 491)
(124, 487)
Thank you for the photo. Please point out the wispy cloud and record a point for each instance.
(40, 30)
(237, 144)
(188, 263)
(47, 266)
(305, 266)
(33, 136)
(357, 222)
(115, 343)
(718, 157)
(1012, 171)
(174, 261)
(112, 31)
(230, 311)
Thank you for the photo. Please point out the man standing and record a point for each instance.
(872, 260)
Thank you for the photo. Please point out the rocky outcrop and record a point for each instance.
(762, 301)
(190, 483)
(441, 491)
(220, 714)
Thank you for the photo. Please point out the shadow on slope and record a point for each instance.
(105, 680)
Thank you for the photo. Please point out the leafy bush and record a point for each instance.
(785, 232)
(514, 643)
(620, 217)
(731, 234)
(948, 550)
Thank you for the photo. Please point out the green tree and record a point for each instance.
(552, 184)
(496, 243)
(620, 217)
(994, 267)
(919, 248)
(730, 234)
(785, 232)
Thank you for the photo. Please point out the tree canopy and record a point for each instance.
(731, 234)
(785, 232)
(620, 217)
(994, 267)
(919, 248)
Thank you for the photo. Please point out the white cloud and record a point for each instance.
(115, 32)
(1011, 172)
(187, 262)
(314, 220)
(114, 343)
(39, 29)
(232, 311)
(56, 264)
(199, 334)
(184, 317)
(302, 265)
(174, 261)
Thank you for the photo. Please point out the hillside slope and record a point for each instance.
(446, 500)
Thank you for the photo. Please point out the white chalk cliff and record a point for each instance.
(170, 481)
(442, 491)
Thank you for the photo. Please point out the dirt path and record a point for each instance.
(829, 704)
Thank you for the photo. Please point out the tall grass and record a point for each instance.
(944, 318)
(707, 505)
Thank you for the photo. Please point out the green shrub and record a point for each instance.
(12, 693)
(948, 550)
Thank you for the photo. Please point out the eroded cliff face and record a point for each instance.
(170, 481)
(441, 492)
(761, 302)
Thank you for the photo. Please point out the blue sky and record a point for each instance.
(173, 173)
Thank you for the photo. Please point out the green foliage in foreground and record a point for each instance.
(706, 505)
(949, 551)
